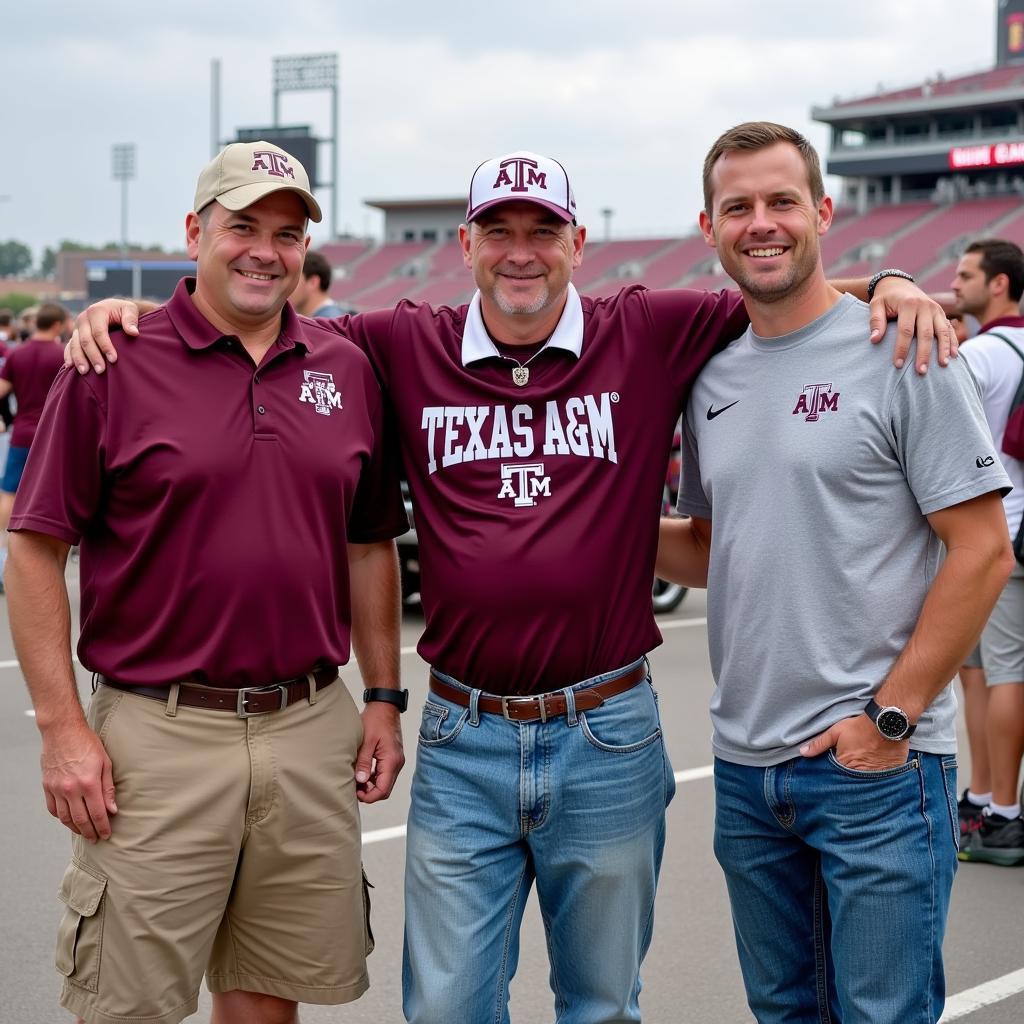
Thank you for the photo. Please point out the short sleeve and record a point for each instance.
(62, 486)
(378, 510)
(692, 499)
(694, 325)
(941, 437)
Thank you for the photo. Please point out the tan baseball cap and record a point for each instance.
(244, 172)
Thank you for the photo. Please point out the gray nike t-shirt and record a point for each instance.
(817, 461)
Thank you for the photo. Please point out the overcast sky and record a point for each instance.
(628, 95)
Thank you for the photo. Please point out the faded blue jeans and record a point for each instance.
(839, 882)
(575, 804)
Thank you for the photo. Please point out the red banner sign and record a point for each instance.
(1002, 154)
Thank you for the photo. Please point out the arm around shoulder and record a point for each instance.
(684, 550)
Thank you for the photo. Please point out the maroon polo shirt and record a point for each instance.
(213, 499)
(537, 507)
(31, 369)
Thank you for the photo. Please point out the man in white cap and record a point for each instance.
(535, 427)
(236, 513)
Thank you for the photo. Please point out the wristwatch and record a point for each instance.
(888, 272)
(892, 723)
(400, 698)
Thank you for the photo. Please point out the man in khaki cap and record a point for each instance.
(236, 513)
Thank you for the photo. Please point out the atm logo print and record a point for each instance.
(318, 389)
(815, 400)
(524, 483)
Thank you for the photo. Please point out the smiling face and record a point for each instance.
(522, 257)
(764, 221)
(248, 261)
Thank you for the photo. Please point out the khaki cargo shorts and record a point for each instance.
(235, 852)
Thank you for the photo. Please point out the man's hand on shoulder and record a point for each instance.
(916, 315)
(78, 780)
(381, 755)
(859, 746)
(90, 344)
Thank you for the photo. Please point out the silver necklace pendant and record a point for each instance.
(521, 376)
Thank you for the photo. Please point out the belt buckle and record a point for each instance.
(540, 704)
(243, 693)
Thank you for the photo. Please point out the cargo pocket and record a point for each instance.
(80, 935)
(368, 948)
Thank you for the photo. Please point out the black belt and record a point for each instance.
(245, 701)
(544, 705)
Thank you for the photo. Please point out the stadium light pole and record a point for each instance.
(123, 164)
(607, 214)
(305, 73)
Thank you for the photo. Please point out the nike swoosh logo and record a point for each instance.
(713, 412)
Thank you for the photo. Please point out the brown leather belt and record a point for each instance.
(244, 702)
(544, 705)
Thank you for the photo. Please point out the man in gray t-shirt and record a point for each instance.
(821, 482)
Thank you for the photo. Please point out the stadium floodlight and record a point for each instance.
(123, 170)
(309, 72)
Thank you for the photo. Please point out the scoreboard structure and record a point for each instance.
(942, 140)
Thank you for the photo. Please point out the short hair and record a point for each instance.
(316, 265)
(50, 314)
(6, 317)
(998, 256)
(754, 135)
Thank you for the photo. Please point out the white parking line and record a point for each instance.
(995, 991)
(398, 831)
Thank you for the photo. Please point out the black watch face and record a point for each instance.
(892, 724)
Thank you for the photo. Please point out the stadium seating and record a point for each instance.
(924, 238)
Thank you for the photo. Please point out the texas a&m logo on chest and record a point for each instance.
(582, 426)
(815, 400)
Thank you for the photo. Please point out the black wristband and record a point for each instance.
(882, 274)
(400, 698)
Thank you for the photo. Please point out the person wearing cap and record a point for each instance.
(540, 757)
(236, 511)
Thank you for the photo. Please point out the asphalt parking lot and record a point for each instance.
(690, 976)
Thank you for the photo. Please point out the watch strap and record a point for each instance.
(387, 695)
(873, 709)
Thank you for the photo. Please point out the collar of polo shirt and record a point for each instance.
(568, 335)
(199, 333)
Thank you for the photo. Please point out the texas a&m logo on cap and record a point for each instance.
(524, 176)
(318, 389)
(273, 163)
(519, 172)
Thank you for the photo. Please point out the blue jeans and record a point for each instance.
(839, 882)
(575, 804)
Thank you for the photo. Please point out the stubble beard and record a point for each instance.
(512, 308)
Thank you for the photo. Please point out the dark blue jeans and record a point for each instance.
(839, 882)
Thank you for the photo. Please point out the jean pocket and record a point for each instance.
(625, 723)
(949, 769)
(433, 731)
(80, 935)
(908, 766)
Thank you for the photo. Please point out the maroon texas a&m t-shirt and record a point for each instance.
(31, 369)
(214, 499)
(537, 506)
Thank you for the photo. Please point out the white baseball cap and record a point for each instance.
(524, 176)
(244, 172)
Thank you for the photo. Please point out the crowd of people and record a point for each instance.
(279, 438)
